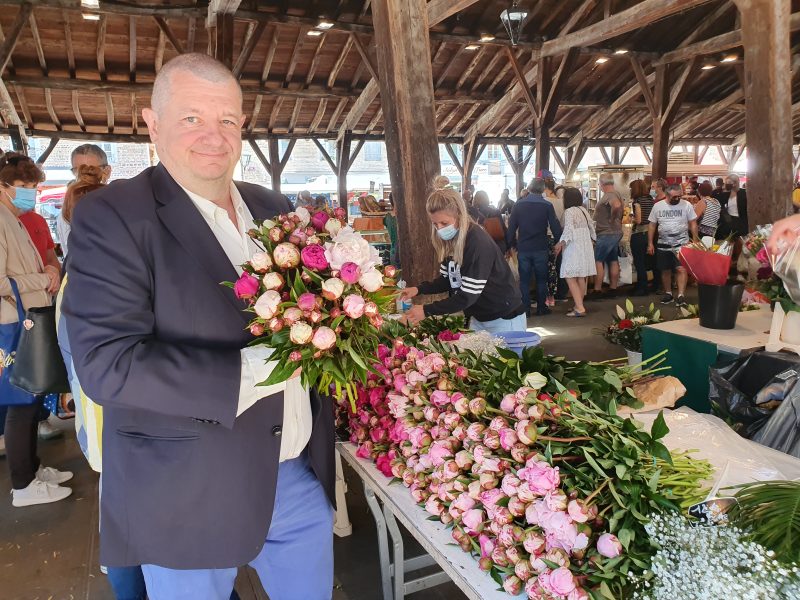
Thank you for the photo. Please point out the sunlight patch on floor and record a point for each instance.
(542, 331)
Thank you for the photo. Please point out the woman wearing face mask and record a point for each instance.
(472, 270)
(20, 261)
(734, 209)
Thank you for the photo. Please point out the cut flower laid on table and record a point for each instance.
(317, 292)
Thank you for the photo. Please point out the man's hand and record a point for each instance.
(409, 293)
(784, 232)
(55, 279)
(415, 314)
(651, 249)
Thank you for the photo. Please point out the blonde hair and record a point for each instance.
(89, 179)
(445, 199)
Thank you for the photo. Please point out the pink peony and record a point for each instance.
(307, 302)
(340, 213)
(609, 546)
(353, 306)
(245, 287)
(512, 585)
(256, 329)
(533, 542)
(324, 338)
(439, 452)
(292, 314)
(261, 262)
(350, 272)
(464, 459)
(267, 304)
(762, 256)
(510, 484)
(559, 582)
(523, 570)
(461, 504)
(577, 511)
(508, 403)
(332, 289)
(313, 257)
(286, 256)
(434, 506)
(371, 310)
(383, 464)
(295, 356)
(390, 271)
(473, 520)
(507, 438)
(526, 432)
(490, 498)
(371, 280)
(318, 220)
(415, 377)
(273, 281)
(578, 594)
(487, 545)
(440, 398)
(301, 333)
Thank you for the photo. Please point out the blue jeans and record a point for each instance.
(296, 561)
(518, 323)
(127, 583)
(533, 264)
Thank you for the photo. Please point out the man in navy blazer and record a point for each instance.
(202, 471)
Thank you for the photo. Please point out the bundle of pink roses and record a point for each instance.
(518, 493)
(317, 291)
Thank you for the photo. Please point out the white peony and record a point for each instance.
(305, 216)
(333, 288)
(333, 226)
(261, 262)
(267, 304)
(535, 380)
(301, 333)
(371, 281)
(273, 281)
(349, 246)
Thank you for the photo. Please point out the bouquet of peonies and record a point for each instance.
(317, 291)
(763, 280)
(550, 494)
(626, 328)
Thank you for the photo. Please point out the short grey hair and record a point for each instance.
(536, 185)
(606, 179)
(674, 187)
(199, 65)
(90, 150)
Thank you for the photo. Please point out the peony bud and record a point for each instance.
(461, 372)
(245, 287)
(276, 324)
(257, 329)
(267, 304)
(353, 306)
(526, 432)
(371, 281)
(292, 315)
(523, 570)
(286, 256)
(261, 262)
(350, 273)
(295, 356)
(609, 546)
(485, 564)
(390, 271)
(301, 333)
(316, 316)
(371, 309)
(477, 406)
(306, 302)
(512, 585)
(324, 338)
(273, 281)
(276, 235)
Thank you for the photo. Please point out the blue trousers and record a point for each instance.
(518, 323)
(533, 264)
(296, 562)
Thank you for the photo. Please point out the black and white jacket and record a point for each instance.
(483, 286)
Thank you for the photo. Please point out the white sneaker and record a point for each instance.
(2, 445)
(39, 492)
(48, 432)
(53, 476)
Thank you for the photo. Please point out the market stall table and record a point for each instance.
(435, 538)
(692, 349)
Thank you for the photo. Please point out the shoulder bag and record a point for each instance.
(9, 341)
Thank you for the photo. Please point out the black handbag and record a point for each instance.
(39, 366)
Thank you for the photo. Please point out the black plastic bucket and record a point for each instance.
(719, 305)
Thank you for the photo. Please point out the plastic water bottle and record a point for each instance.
(403, 305)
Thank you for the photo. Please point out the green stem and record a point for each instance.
(597, 491)
(547, 438)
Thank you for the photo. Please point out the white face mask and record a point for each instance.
(447, 233)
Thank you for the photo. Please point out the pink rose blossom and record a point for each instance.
(559, 582)
(324, 338)
(353, 306)
(245, 287)
(609, 546)
(267, 304)
(350, 272)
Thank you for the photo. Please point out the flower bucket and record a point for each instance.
(634, 359)
(519, 340)
(719, 305)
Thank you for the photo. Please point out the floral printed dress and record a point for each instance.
(578, 235)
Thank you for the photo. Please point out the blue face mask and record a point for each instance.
(447, 233)
(24, 199)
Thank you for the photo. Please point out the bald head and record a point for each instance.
(194, 63)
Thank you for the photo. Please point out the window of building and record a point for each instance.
(373, 151)
(493, 152)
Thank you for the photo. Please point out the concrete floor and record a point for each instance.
(50, 552)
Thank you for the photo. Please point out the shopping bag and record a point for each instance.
(9, 341)
(625, 270)
(39, 365)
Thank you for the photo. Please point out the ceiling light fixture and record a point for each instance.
(95, 4)
(621, 51)
(487, 37)
(91, 16)
(708, 66)
(471, 47)
(314, 32)
(730, 58)
(600, 60)
(513, 20)
(324, 24)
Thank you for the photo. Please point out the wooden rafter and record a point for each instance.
(559, 159)
(100, 50)
(557, 86)
(165, 28)
(298, 105)
(522, 83)
(446, 68)
(132, 49)
(10, 41)
(336, 114)
(191, 34)
(134, 114)
(295, 55)
(473, 109)
(323, 105)
(498, 55)
(374, 122)
(442, 125)
(312, 69)
(252, 39)
(161, 46)
(48, 100)
(23, 104)
(49, 150)
(270, 56)
(439, 10)
(366, 56)
(110, 113)
(275, 112)
(68, 43)
(37, 40)
(9, 113)
(254, 115)
(76, 110)
(641, 78)
(337, 67)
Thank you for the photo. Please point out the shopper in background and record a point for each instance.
(674, 219)
(608, 225)
(304, 198)
(707, 210)
(642, 205)
(491, 219)
(734, 204)
(575, 248)
(506, 203)
(90, 155)
(527, 232)
(556, 287)
(19, 260)
(472, 269)
(87, 180)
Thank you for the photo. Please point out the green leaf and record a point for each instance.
(629, 305)
(621, 470)
(659, 450)
(659, 429)
(592, 462)
(612, 378)
(625, 537)
(606, 591)
(496, 576)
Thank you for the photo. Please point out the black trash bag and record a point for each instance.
(746, 392)
(782, 429)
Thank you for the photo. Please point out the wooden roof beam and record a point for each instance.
(440, 10)
(9, 113)
(312, 69)
(366, 56)
(334, 74)
(37, 40)
(100, 50)
(273, 46)
(12, 37)
(132, 49)
(165, 28)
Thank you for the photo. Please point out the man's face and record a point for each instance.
(198, 131)
(91, 160)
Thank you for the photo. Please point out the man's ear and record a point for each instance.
(150, 117)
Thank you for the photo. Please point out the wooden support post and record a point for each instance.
(48, 151)
(542, 147)
(406, 88)
(518, 162)
(343, 166)
(768, 95)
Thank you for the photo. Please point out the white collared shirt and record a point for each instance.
(239, 247)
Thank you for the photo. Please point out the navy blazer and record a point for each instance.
(156, 341)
